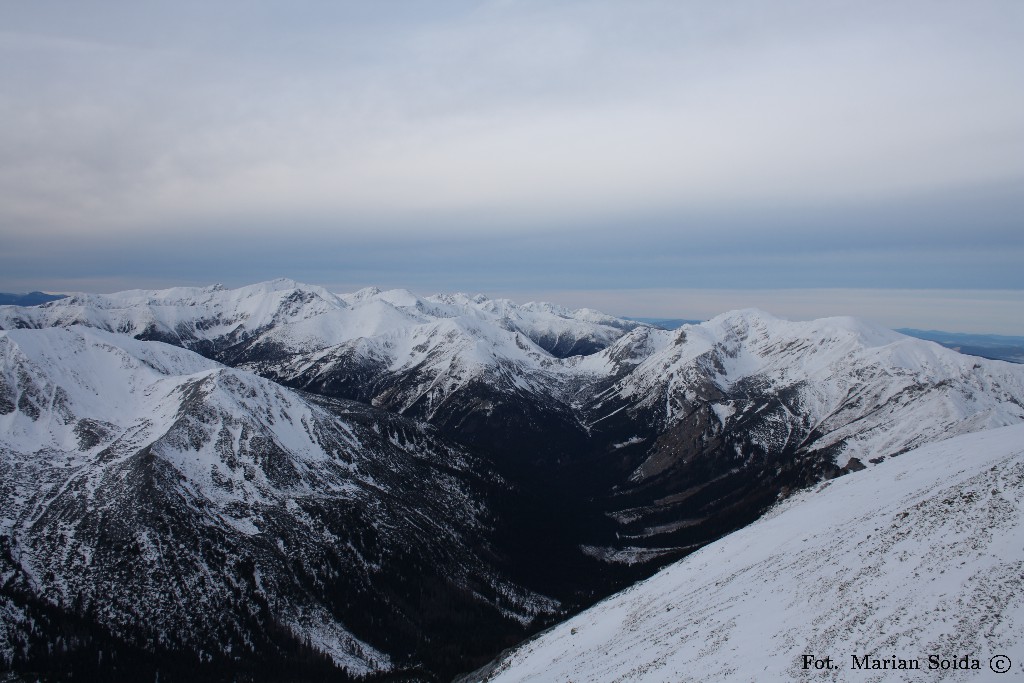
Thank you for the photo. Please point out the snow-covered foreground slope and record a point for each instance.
(172, 504)
(919, 557)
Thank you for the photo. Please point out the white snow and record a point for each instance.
(878, 391)
(922, 555)
(723, 411)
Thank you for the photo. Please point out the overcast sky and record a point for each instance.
(547, 149)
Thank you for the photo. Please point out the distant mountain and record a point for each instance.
(508, 463)
(991, 346)
(489, 370)
(994, 346)
(30, 299)
(918, 560)
(667, 323)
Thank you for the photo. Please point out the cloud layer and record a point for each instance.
(514, 143)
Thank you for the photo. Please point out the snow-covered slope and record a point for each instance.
(921, 556)
(717, 420)
(848, 382)
(177, 503)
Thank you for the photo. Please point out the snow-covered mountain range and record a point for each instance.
(189, 506)
(416, 356)
(406, 484)
(722, 414)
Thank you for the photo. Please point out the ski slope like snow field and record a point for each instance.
(920, 558)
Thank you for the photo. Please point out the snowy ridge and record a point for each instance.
(81, 405)
(414, 351)
(182, 313)
(851, 384)
(122, 458)
(920, 556)
(313, 318)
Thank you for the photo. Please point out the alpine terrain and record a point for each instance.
(910, 571)
(281, 482)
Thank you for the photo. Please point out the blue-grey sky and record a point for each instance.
(546, 149)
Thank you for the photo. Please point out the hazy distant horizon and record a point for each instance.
(971, 311)
(581, 149)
